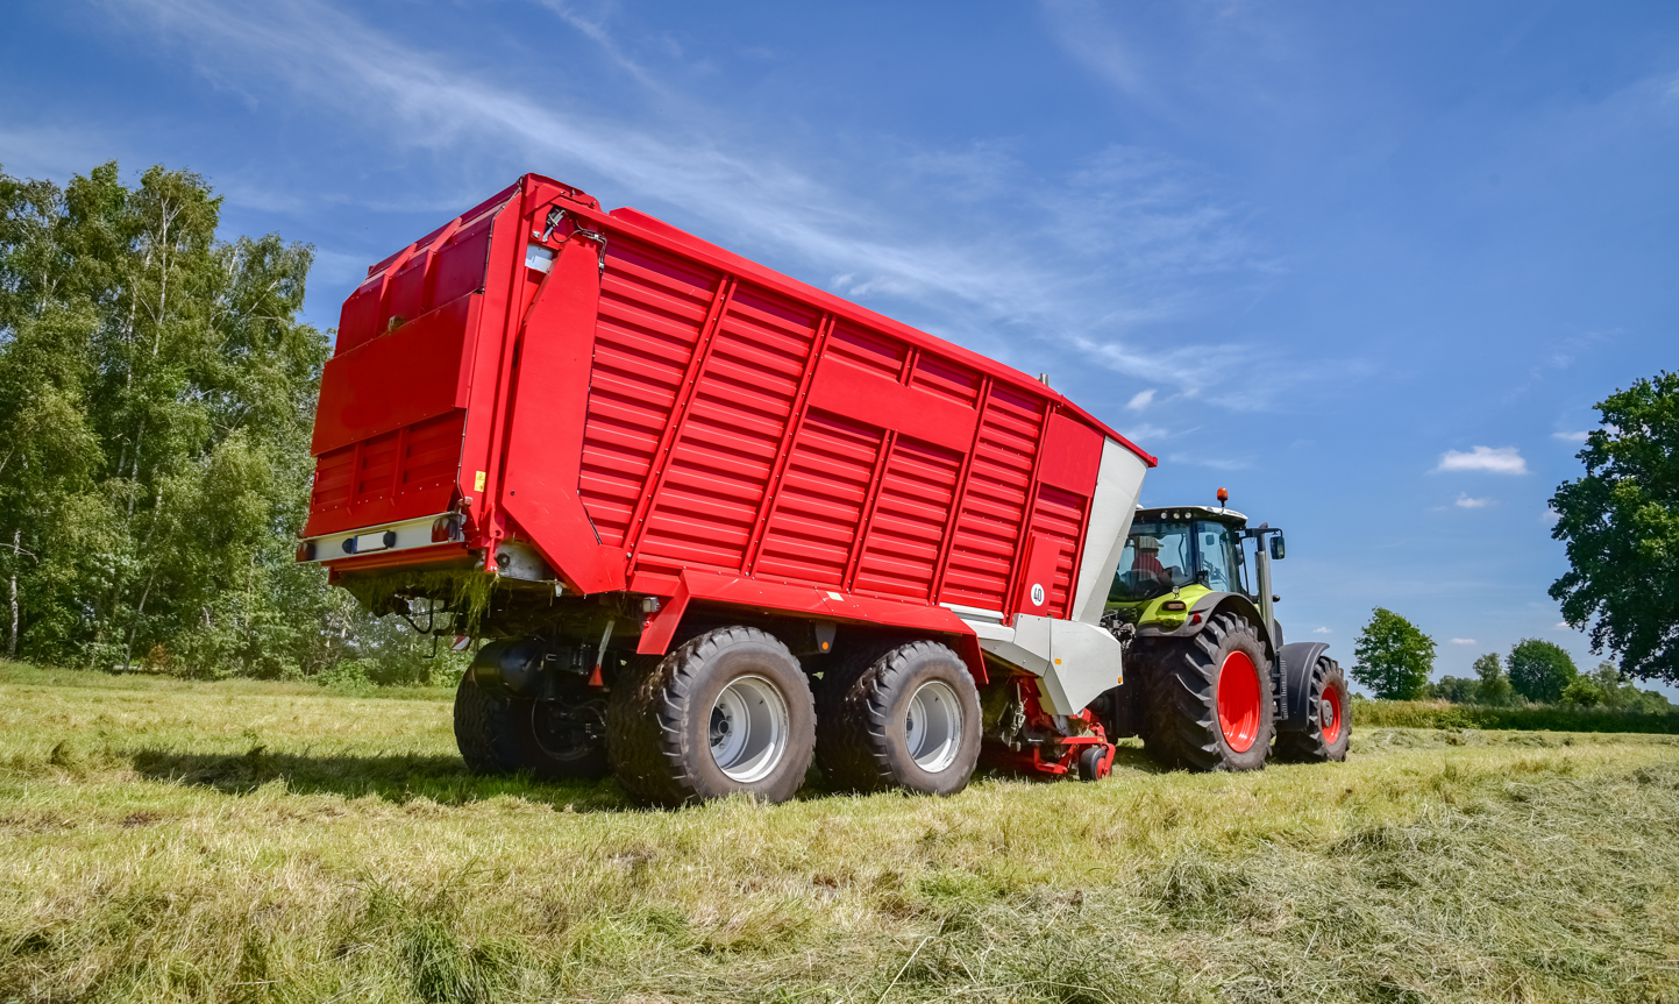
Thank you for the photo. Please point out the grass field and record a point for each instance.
(250, 841)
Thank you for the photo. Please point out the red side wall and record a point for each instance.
(680, 408)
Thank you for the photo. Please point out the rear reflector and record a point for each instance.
(447, 528)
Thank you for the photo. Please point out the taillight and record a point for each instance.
(447, 528)
(305, 551)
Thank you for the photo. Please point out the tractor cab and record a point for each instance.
(1171, 549)
(1180, 559)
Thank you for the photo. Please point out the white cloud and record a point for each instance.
(1549, 517)
(1120, 238)
(1568, 437)
(1461, 641)
(1141, 400)
(1473, 502)
(1561, 625)
(1204, 461)
(1323, 630)
(1494, 460)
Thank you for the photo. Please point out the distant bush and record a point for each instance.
(1446, 715)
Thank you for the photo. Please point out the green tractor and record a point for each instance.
(1209, 682)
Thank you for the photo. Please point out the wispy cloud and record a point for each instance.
(1570, 437)
(1141, 400)
(1494, 460)
(1117, 241)
(1473, 502)
(1461, 641)
(1222, 463)
(1323, 630)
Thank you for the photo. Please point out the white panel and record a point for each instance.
(1119, 480)
(1073, 661)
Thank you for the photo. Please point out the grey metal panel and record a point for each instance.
(1119, 480)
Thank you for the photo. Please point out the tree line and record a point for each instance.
(1394, 659)
(157, 393)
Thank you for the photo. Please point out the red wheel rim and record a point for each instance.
(1331, 724)
(1237, 697)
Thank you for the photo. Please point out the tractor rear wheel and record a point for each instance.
(1208, 704)
(910, 718)
(729, 711)
(551, 739)
(1329, 718)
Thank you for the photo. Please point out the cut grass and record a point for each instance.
(256, 841)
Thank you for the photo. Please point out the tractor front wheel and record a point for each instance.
(1209, 699)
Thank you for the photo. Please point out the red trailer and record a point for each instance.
(712, 518)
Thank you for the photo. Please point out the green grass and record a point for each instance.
(254, 841)
(1446, 715)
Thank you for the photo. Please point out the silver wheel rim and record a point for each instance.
(748, 729)
(933, 726)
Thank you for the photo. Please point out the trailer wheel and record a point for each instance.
(1329, 719)
(1209, 704)
(910, 718)
(553, 740)
(729, 711)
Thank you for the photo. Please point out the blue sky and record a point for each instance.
(1368, 265)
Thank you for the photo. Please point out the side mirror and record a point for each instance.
(1277, 546)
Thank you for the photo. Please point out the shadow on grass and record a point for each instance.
(441, 779)
(396, 778)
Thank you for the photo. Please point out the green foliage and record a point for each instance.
(1582, 693)
(1621, 527)
(156, 398)
(1493, 688)
(1540, 670)
(1454, 689)
(1661, 718)
(1393, 657)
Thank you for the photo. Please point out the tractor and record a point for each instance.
(1210, 684)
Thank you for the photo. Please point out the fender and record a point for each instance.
(1295, 664)
(1206, 605)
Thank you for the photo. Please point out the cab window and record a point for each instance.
(1157, 559)
(1217, 550)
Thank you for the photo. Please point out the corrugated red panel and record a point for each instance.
(988, 531)
(815, 520)
(651, 309)
(407, 472)
(912, 508)
(709, 492)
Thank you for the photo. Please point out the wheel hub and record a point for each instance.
(748, 728)
(933, 726)
(1237, 699)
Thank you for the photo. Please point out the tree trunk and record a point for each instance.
(12, 638)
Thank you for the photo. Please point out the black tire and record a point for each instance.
(1090, 763)
(552, 740)
(1322, 740)
(864, 725)
(1181, 715)
(660, 719)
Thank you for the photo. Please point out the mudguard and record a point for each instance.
(1295, 662)
(1206, 605)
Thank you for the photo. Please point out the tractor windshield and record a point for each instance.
(1158, 558)
(1219, 557)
